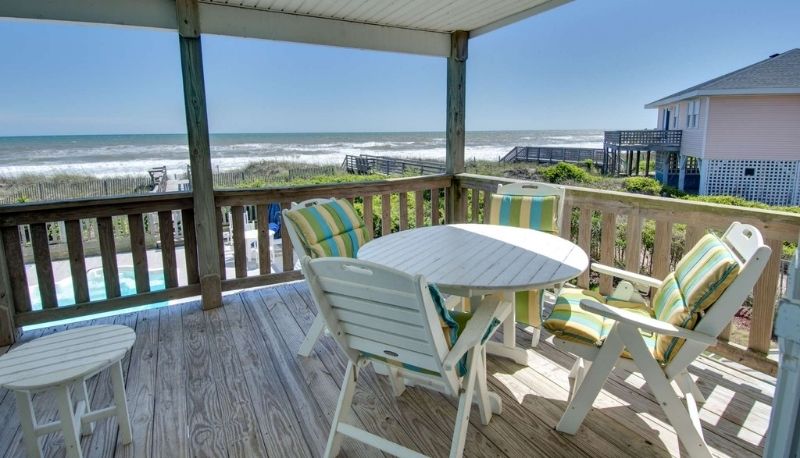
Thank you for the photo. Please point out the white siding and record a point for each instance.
(749, 127)
(693, 137)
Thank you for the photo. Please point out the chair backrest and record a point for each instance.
(325, 227)
(377, 313)
(747, 247)
(528, 204)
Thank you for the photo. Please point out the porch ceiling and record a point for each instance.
(411, 26)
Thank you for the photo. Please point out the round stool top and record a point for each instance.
(64, 356)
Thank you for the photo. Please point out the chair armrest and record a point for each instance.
(646, 323)
(637, 279)
(491, 308)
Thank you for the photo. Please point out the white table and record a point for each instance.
(471, 260)
(57, 362)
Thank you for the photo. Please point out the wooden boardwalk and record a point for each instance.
(227, 382)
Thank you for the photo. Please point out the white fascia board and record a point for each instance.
(538, 9)
(235, 21)
(711, 92)
(252, 23)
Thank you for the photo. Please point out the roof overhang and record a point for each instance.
(407, 26)
(711, 92)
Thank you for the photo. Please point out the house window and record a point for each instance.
(675, 116)
(749, 171)
(692, 113)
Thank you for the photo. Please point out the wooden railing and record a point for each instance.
(126, 224)
(555, 154)
(599, 218)
(643, 139)
(365, 163)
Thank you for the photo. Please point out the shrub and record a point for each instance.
(642, 185)
(564, 172)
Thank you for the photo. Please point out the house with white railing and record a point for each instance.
(740, 133)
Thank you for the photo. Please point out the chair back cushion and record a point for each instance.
(531, 212)
(330, 229)
(700, 278)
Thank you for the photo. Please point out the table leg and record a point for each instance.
(507, 349)
(83, 395)
(121, 402)
(69, 426)
(28, 420)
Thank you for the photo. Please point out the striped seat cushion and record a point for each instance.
(330, 229)
(530, 212)
(669, 306)
(570, 322)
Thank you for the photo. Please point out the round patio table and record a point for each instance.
(472, 260)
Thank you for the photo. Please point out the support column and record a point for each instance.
(456, 103)
(7, 330)
(194, 96)
(647, 165)
(681, 171)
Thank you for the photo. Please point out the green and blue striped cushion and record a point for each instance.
(530, 212)
(669, 306)
(330, 229)
(705, 272)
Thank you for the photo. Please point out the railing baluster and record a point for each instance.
(44, 267)
(288, 252)
(633, 240)
(475, 202)
(108, 254)
(419, 208)
(190, 246)
(221, 244)
(662, 249)
(16, 269)
(764, 294)
(608, 237)
(434, 207)
(585, 241)
(139, 253)
(368, 219)
(403, 202)
(264, 258)
(239, 243)
(167, 235)
(386, 214)
(77, 261)
(487, 205)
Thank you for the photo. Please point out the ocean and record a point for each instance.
(107, 155)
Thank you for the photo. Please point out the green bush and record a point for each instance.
(564, 172)
(642, 185)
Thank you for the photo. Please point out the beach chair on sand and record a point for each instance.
(690, 308)
(320, 228)
(533, 206)
(375, 313)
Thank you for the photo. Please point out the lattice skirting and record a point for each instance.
(771, 182)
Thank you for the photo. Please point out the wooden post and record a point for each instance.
(456, 103)
(7, 329)
(194, 96)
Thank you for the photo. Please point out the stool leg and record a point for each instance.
(28, 420)
(121, 403)
(68, 424)
(83, 395)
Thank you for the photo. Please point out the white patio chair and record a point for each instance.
(379, 314)
(690, 308)
(307, 243)
(529, 205)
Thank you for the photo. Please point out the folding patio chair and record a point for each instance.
(380, 314)
(534, 206)
(320, 228)
(690, 308)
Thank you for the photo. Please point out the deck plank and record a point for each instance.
(140, 387)
(170, 423)
(278, 424)
(206, 426)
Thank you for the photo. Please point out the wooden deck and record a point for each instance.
(227, 382)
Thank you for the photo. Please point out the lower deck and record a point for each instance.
(228, 382)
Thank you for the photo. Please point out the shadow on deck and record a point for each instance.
(228, 382)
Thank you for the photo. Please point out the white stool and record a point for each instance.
(55, 363)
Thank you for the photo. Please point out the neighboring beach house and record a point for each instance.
(741, 133)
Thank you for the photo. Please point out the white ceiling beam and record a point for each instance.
(235, 21)
(538, 9)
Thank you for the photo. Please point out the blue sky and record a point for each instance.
(588, 64)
